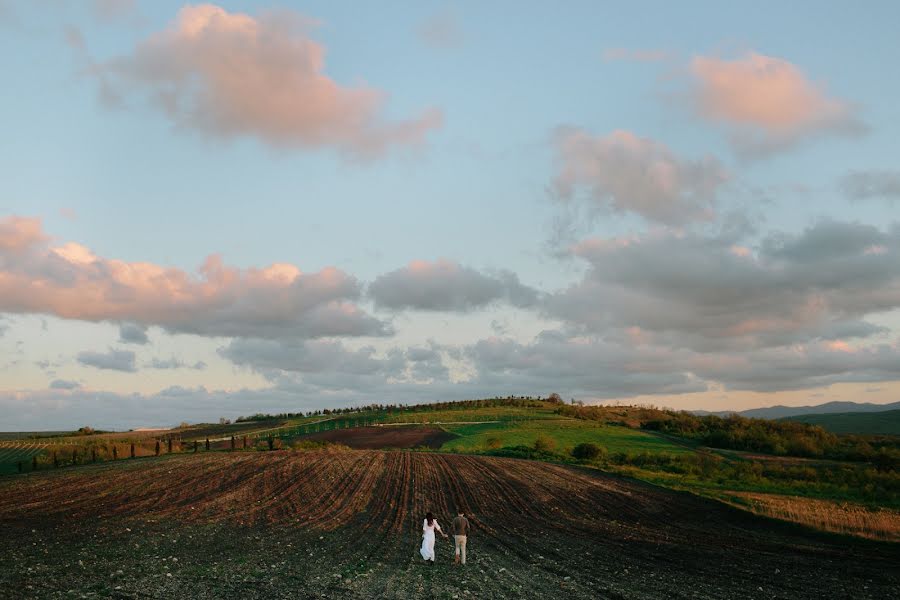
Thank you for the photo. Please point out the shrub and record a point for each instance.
(304, 445)
(308, 445)
(544, 444)
(493, 443)
(528, 452)
(588, 451)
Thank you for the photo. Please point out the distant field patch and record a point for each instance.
(873, 423)
(13, 453)
(565, 433)
(370, 438)
(828, 515)
(491, 413)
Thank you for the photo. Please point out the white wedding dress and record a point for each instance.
(427, 550)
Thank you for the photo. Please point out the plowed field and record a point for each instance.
(347, 525)
(373, 438)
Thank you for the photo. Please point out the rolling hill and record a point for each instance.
(872, 423)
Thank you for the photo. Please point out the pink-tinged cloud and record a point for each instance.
(624, 173)
(19, 233)
(767, 103)
(230, 74)
(278, 301)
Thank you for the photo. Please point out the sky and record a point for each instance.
(213, 210)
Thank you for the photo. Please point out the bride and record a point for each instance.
(429, 525)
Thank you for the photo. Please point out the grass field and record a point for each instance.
(827, 515)
(491, 413)
(565, 433)
(875, 423)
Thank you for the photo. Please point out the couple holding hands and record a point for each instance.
(460, 527)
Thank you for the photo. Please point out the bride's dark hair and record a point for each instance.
(430, 518)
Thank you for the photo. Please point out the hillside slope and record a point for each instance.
(874, 423)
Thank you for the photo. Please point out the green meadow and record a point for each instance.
(565, 434)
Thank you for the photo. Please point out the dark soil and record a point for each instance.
(348, 525)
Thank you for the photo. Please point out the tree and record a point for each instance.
(587, 451)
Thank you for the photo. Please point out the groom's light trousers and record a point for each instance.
(460, 547)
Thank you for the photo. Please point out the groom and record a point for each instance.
(460, 528)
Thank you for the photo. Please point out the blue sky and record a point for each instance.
(465, 137)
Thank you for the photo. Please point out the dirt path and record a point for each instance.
(347, 525)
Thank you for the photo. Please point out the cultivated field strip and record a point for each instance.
(386, 493)
(562, 530)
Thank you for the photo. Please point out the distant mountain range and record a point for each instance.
(780, 412)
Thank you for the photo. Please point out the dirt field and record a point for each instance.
(347, 525)
(372, 438)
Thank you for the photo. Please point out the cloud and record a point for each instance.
(129, 333)
(445, 285)
(441, 31)
(863, 185)
(767, 103)
(610, 367)
(711, 293)
(62, 384)
(554, 361)
(74, 38)
(69, 409)
(111, 10)
(426, 363)
(803, 366)
(330, 365)
(315, 356)
(229, 75)
(278, 301)
(579, 365)
(175, 363)
(18, 234)
(635, 55)
(113, 360)
(624, 173)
